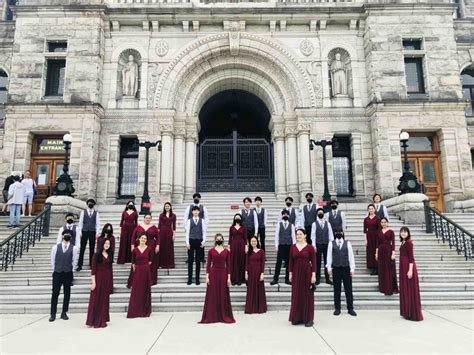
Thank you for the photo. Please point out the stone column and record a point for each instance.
(292, 162)
(279, 160)
(166, 161)
(190, 177)
(304, 166)
(178, 181)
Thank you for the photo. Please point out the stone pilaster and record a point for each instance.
(292, 161)
(278, 135)
(166, 129)
(190, 165)
(179, 167)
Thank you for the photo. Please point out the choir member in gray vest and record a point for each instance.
(249, 219)
(202, 210)
(284, 238)
(321, 236)
(195, 238)
(336, 218)
(308, 215)
(380, 208)
(341, 266)
(75, 230)
(292, 212)
(63, 260)
(89, 223)
(262, 222)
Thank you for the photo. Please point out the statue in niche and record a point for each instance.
(338, 76)
(130, 77)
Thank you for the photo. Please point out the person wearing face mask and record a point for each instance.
(89, 223)
(188, 213)
(292, 212)
(249, 219)
(336, 218)
(341, 266)
(284, 239)
(308, 215)
(128, 223)
(74, 229)
(195, 239)
(63, 261)
(321, 236)
(108, 234)
(217, 306)
(238, 248)
(262, 221)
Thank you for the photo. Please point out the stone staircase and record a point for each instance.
(5, 232)
(465, 220)
(446, 279)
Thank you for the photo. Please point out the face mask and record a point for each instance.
(219, 242)
(334, 207)
(320, 215)
(90, 205)
(309, 200)
(130, 207)
(70, 221)
(196, 201)
(338, 235)
(288, 204)
(109, 231)
(67, 237)
(285, 218)
(237, 221)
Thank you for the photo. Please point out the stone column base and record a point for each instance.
(62, 205)
(409, 207)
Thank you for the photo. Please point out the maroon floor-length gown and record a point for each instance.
(112, 248)
(410, 303)
(140, 297)
(166, 227)
(256, 300)
(152, 241)
(217, 306)
(371, 228)
(385, 265)
(237, 242)
(98, 311)
(127, 226)
(302, 265)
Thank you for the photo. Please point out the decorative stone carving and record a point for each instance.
(162, 48)
(340, 73)
(278, 133)
(129, 75)
(154, 72)
(314, 70)
(306, 47)
(191, 135)
(234, 42)
(180, 131)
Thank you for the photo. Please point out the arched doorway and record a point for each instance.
(235, 151)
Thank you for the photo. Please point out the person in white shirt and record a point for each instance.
(341, 266)
(196, 229)
(30, 186)
(262, 222)
(285, 237)
(202, 210)
(292, 212)
(336, 217)
(380, 208)
(249, 219)
(64, 257)
(75, 230)
(89, 224)
(16, 193)
(321, 236)
(308, 215)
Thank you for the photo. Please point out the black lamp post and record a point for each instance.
(145, 205)
(408, 180)
(323, 143)
(64, 184)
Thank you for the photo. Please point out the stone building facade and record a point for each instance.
(321, 69)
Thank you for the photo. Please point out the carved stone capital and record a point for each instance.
(179, 132)
(278, 133)
(291, 131)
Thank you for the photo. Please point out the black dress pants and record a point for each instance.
(282, 255)
(61, 279)
(342, 275)
(261, 238)
(87, 236)
(321, 253)
(308, 234)
(195, 254)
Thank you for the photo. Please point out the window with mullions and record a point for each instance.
(56, 69)
(128, 169)
(467, 79)
(412, 44)
(414, 75)
(342, 166)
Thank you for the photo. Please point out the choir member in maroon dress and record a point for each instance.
(256, 301)
(371, 231)
(303, 278)
(98, 311)
(108, 234)
(238, 248)
(410, 303)
(140, 297)
(167, 233)
(217, 307)
(153, 243)
(385, 256)
(127, 225)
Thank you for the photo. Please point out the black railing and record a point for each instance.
(26, 237)
(449, 231)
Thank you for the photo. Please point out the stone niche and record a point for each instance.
(129, 78)
(340, 78)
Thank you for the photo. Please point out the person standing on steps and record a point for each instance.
(63, 261)
(108, 234)
(321, 236)
(293, 217)
(308, 215)
(249, 219)
(385, 257)
(128, 223)
(255, 301)
(30, 187)
(262, 221)
(380, 208)
(238, 247)
(188, 213)
(167, 228)
(8, 181)
(341, 266)
(284, 238)
(89, 223)
(74, 229)
(16, 193)
(371, 231)
(195, 239)
(336, 218)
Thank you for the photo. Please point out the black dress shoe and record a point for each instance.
(295, 323)
(64, 316)
(198, 282)
(352, 312)
(337, 312)
(52, 318)
(274, 282)
(79, 268)
(374, 272)
(189, 282)
(309, 324)
(318, 282)
(288, 282)
(329, 282)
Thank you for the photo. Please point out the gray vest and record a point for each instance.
(63, 261)
(284, 237)
(201, 211)
(248, 221)
(73, 232)
(309, 216)
(336, 222)
(340, 257)
(260, 217)
(379, 212)
(88, 223)
(292, 216)
(195, 230)
(322, 234)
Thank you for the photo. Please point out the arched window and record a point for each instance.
(3, 94)
(467, 80)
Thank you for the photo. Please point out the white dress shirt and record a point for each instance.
(188, 209)
(59, 239)
(258, 210)
(97, 220)
(249, 212)
(66, 246)
(314, 235)
(286, 224)
(290, 210)
(343, 217)
(350, 252)
(188, 228)
(307, 206)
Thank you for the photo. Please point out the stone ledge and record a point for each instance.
(409, 207)
(62, 205)
(465, 206)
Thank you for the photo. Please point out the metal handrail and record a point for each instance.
(448, 230)
(15, 245)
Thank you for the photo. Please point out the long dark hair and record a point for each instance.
(109, 252)
(233, 220)
(104, 230)
(171, 209)
(381, 219)
(405, 229)
(371, 204)
(126, 205)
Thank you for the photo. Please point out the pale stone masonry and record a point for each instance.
(280, 51)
